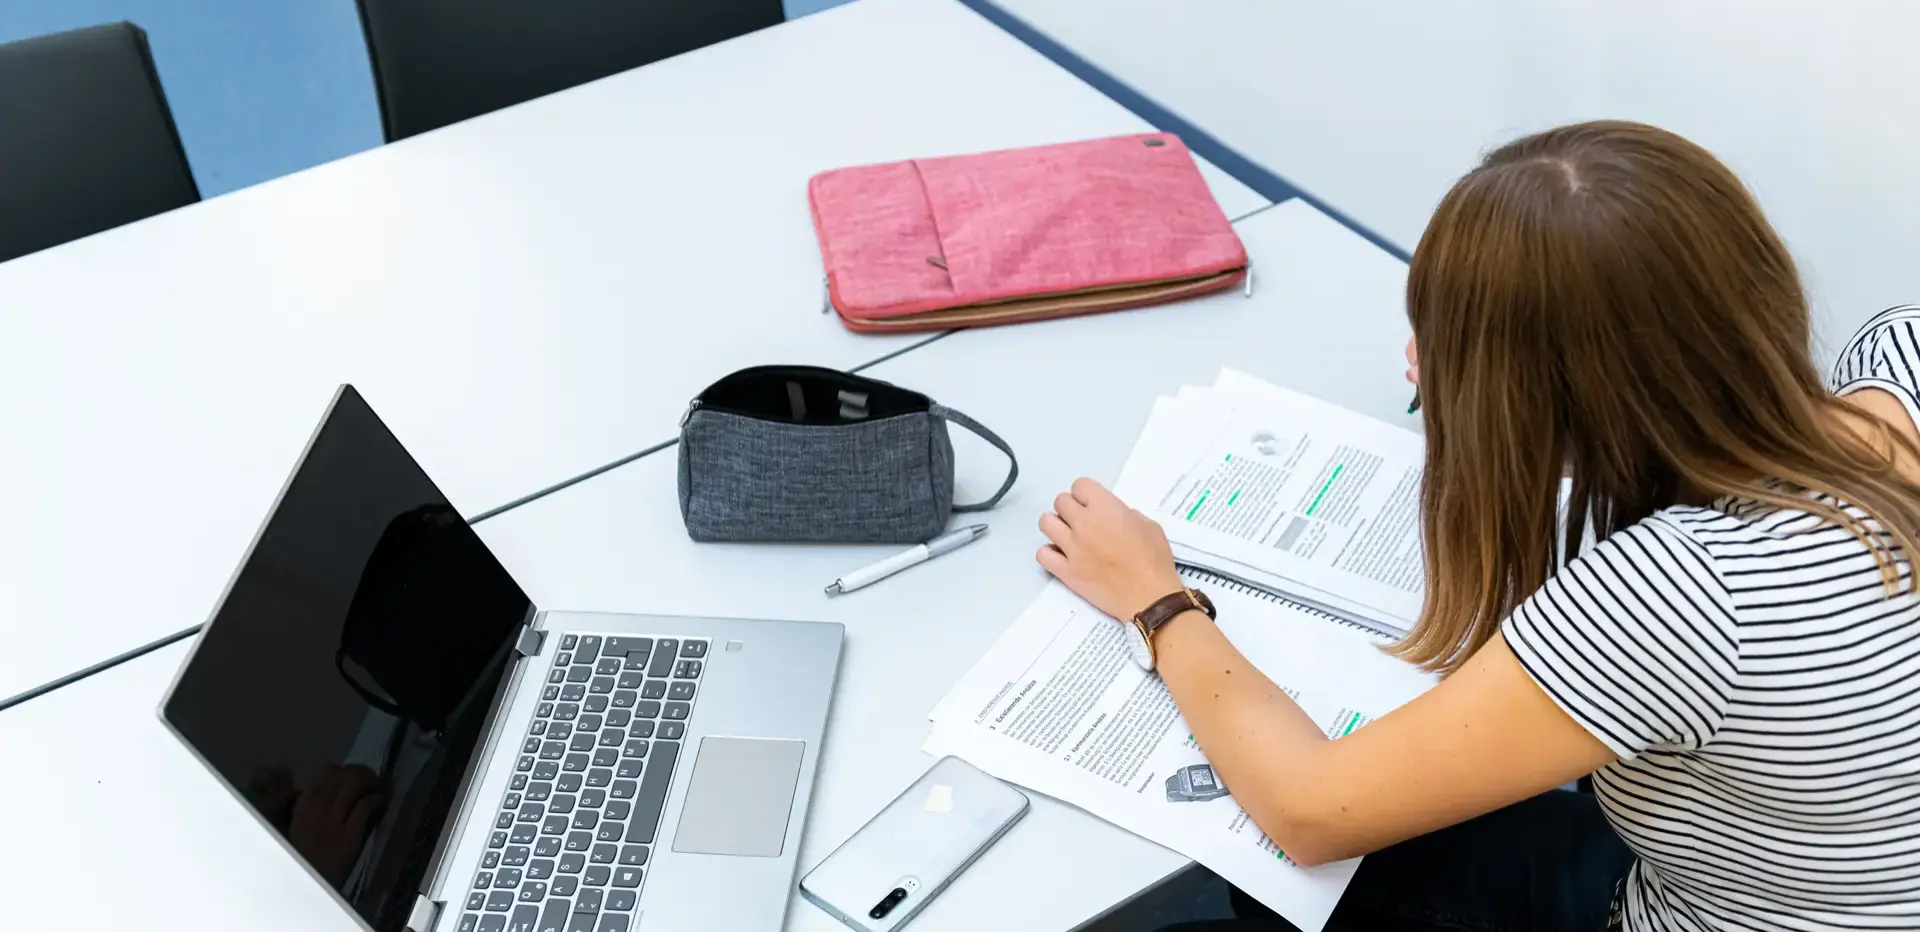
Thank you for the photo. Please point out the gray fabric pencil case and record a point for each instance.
(802, 453)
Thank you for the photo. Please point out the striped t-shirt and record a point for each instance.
(1762, 692)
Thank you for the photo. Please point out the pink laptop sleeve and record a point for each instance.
(1021, 234)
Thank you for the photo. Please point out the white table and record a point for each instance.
(524, 297)
(114, 819)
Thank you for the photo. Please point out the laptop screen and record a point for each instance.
(342, 686)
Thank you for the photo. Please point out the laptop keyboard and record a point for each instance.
(569, 846)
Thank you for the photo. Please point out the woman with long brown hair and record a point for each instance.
(1734, 656)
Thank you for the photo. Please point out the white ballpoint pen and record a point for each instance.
(912, 556)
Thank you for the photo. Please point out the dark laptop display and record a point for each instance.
(343, 684)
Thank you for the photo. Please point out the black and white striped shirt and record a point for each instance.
(1763, 694)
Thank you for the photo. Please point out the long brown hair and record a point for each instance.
(1606, 302)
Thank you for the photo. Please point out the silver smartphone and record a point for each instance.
(906, 855)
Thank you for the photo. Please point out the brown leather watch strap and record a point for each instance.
(1167, 607)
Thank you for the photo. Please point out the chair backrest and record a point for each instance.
(437, 62)
(86, 140)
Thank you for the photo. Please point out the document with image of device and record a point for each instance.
(1288, 493)
(1059, 707)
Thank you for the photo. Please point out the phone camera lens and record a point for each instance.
(887, 903)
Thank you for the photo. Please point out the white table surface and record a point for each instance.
(115, 823)
(524, 297)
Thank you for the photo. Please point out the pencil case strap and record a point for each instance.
(979, 430)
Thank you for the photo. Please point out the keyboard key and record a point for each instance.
(621, 899)
(625, 646)
(591, 721)
(641, 730)
(606, 757)
(613, 922)
(524, 834)
(609, 831)
(554, 825)
(498, 839)
(550, 693)
(553, 750)
(500, 901)
(694, 649)
(680, 690)
(579, 673)
(653, 792)
(493, 924)
(572, 863)
(663, 657)
(618, 810)
(526, 764)
(540, 728)
(519, 782)
(686, 670)
(633, 855)
(533, 892)
(655, 689)
(539, 791)
(673, 731)
(554, 917)
(581, 922)
(483, 880)
(589, 902)
(574, 692)
(604, 854)
(574, 763)
(626, 877)
(612, 738)
(624, 789)
(546, 847)
(557, 676)
(579, 841)
(624, 699)
(598, 875)
(532, 812)
(561, 804)
(581, 742)
(503, 820)
(593, 798)
(618, 718)
(599, 776)
(490, 860)
(635, 661)
(608, 666)
(648, 708)
(524, 918)
(560, 731)
(476, 901)
(567, 642)
(562, 659)
(507, 878)
(546, 770)
(530, 745)
(566, 886)
(589, 649)
(539, 869)
(629, 769)
(601, 685)
(470, 922)
(596, 703)
(566, 711)
(631, 679)
(516, 856)
(569, 783)
(676, 711)
(586, 818)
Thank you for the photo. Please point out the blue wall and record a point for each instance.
(259, 88)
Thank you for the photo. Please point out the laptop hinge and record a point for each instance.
(531, 641)
(425, 913)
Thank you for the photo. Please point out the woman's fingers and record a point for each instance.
(1051, 559)
(1055, 529)
(1068, 507)
(1088, 492)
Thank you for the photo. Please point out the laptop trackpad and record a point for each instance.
(739, 797)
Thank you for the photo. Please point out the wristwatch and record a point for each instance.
(1163, 610)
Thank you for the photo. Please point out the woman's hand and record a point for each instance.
(1107, 553)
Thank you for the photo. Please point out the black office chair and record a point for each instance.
(86, 140)
(437, 62)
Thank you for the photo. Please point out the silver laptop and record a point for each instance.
(446, 758)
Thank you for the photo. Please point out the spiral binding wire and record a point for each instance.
(1209, 578)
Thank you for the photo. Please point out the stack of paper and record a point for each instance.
(1300, 520)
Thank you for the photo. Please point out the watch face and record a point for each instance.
(1137, 646)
